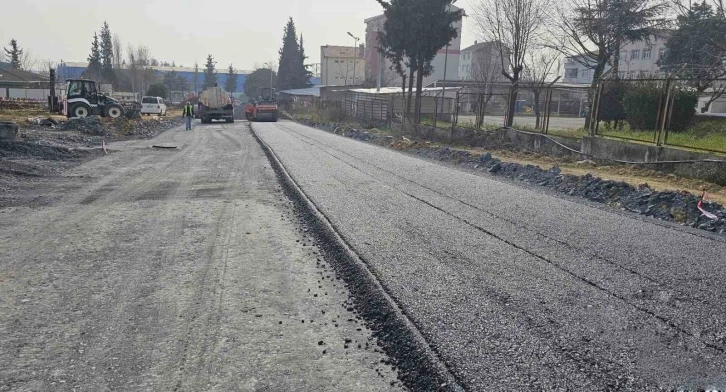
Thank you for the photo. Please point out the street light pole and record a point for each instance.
(355, 54)
(443, 89)
(379, 64)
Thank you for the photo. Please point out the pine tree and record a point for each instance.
(210, 74)
(94, 60)
(107, 54)
(231, 85)
(14, 54)
(291, 70)
(305, 73)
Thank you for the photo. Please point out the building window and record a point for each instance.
(635, 54)
(661, 53)
(646, 54)
(632, 74)
(624, 56)
(571, 73)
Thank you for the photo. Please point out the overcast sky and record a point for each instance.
(242, 32)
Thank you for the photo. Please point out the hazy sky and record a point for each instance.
(242, 32)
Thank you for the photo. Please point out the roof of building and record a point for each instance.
(339, 51)
(156, 68)
(20, 76)
(399, 90)
(303, 92)
(478, 46)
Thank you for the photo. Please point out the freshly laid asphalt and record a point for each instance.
(514, 288)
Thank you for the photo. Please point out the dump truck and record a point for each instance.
(264, 108)
(215, 104)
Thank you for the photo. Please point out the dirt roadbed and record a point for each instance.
(29, 165)
(174, 269)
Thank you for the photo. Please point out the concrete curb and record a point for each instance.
(419, 366)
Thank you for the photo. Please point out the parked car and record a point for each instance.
(153, 105)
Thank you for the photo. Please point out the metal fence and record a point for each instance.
(539, 109)
(365, 110)
(663, 112)
(659, 111)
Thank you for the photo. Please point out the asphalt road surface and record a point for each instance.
(175, 270)
(516, 288)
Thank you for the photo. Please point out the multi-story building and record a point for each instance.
(342, 65)
(448, 55)
(482, 60)
(636, 60)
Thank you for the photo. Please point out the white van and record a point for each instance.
(153, 105)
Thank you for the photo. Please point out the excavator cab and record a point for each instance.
(83, 99)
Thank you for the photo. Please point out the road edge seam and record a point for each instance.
(420, 368)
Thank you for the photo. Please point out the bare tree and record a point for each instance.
(344, 71)
(44, 66)
(195, 78)
(516, 27)
(118, 52)
(27, 61)
(591, 32)
(541, 69)
(486, 72)
(141, 75)
(388, 76)
(133, 67)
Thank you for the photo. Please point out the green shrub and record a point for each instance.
(641, 101)
(611, 101)
(641, 105)
(684, 108)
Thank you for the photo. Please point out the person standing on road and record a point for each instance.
(188, 114)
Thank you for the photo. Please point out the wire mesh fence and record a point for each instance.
(659, 111)
(535, 108)
(368, 111)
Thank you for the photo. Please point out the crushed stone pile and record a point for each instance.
(121, 127)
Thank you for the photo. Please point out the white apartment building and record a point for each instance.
(446, 59)
(637, 59)
(342, 65)
(482, 55)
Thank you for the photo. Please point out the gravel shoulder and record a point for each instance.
(32, 166)
(514, 288)
(180, 269)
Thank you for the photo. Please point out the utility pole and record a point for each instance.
(443, 89)
(379, 64)
(355, 54)
(270, 65)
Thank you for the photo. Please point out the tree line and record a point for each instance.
(292, 72)
(531, 36)
(134, 72)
